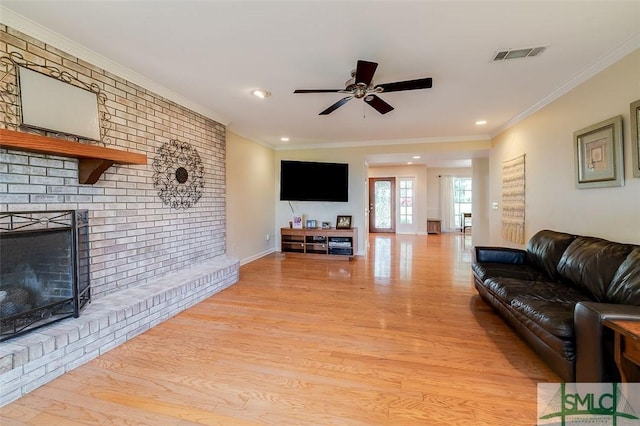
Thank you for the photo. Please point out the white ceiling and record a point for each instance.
(212, 53)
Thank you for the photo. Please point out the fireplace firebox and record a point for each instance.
(44, 268)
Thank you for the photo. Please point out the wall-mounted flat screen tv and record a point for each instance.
(313, 181)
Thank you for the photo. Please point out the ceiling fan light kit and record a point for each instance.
(359, 86)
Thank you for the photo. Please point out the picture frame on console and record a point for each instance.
(598, 155)
(635, 137)
(311, 224)
(326, 225)
(343, 222)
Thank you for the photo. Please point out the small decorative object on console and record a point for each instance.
(326, 225)
(343, 222)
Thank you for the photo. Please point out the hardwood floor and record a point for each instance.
(399, 337)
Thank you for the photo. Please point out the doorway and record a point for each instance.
(382, 205)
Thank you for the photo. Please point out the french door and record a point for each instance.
(382, 205)
(461, 199)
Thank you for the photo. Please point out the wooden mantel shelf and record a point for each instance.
(93, 160)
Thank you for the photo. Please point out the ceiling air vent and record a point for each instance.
(526, 52)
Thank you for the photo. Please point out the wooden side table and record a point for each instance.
(627, 348)
(433, 226)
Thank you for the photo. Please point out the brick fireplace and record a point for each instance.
(149, 260)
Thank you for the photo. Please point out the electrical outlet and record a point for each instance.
(267, 237)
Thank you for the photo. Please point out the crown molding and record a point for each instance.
(37, 31)
(386, 142)
(606, 61)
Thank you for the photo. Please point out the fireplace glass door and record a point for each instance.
(44, 268)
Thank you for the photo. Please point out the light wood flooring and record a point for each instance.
(398, 337)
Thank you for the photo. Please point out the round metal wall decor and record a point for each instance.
(178, 174)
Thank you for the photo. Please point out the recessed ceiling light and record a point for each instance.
(284, 139)
(481, 122)
(416, 157)
(259, 93)
(409, 162)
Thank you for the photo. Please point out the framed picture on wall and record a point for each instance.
(343, 222)
(635, 137)
(598, 154)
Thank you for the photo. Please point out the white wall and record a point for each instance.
(481, 201)
(250, 199)
(324, 211)
(357, 158)
(546, 137)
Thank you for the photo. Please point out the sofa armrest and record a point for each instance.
(499, 255)
(594, 343)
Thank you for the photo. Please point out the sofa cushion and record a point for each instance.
(563, 346)
(506, 289)
(625, 286)
(552, 309)
(483, 271)
(548, 305)
(545, 250)
(590, 264)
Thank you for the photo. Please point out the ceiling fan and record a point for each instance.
(359, 86)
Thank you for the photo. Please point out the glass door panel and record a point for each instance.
(382, 205)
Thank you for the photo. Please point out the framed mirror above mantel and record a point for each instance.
(93, 160)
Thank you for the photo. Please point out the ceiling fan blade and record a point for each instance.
(365, 71)
(421, 83)
(317, 90)
(381, 106)
(336, 105)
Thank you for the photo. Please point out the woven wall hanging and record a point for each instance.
(513, 199)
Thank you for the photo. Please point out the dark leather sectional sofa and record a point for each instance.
(556, 293)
